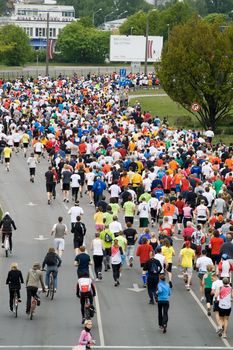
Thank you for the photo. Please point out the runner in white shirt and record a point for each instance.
(38, 148)
(97, 247)
(153, 205)
(74, 212)
(115, 226)
(75, 178)
(115, 191)
(89, 179)
(216, 285)
(201, 265)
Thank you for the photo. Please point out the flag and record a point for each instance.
(51, 47)
(150, 49)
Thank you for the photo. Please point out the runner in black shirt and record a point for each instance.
(49, 183)
(131, 236)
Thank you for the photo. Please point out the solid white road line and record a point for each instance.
(98, 315)
(226, 343)
(115, 347)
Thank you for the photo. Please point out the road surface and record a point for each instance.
(125, 320)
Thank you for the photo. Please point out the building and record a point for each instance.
(157, 2)
(112, 25)
(32, 17)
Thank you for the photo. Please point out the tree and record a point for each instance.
(88, 7)
(220, 18)
(15, 46)
(160, 22)
(197, 65)
(79, 44)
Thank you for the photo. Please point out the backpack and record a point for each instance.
(154, 269)
(107, 238)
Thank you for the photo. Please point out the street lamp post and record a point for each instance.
(47, 47)
(109, 14)
(146, 47)
(93, 16)
(121, 14)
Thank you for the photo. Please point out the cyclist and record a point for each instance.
(59, 230)
(53, 262)
(85, 289)
(14, 280)
(33, 281)
(7, 223)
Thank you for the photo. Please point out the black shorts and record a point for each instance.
(32, 171)
(66, 187)
(89, 187)
(142, 265)
(77, 244)
(129, 219)
(180, 218)
(7, 160)
(224, 312)
(216, 258)
(25, 145)
(16, 144)
(67, 151)
(169, 267)
(81, 183)
(174, 221)
(208, 296)
(38, 153)
(49, 188)
(215, 306)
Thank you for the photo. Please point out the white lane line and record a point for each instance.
(98, 315)
(99, 319)
(226, 343)
(114, 347)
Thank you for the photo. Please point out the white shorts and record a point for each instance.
(59, 243)
(188, 271)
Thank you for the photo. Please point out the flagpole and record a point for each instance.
(47, 47)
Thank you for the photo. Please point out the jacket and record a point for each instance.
(34, 278)
(7, 223)
(51, 259)
(14, 279)
(164, 291)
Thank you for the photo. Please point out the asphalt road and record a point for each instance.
(125, 320)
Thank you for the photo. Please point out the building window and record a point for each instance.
(28, 31)
(52, 32)
(41, 32)
(67, 14)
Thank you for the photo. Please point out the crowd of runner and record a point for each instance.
(178, 183)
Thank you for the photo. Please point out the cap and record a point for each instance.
(224, 256)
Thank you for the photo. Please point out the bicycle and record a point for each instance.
(6, 245)
(15, 303)
(35, 301)
(51, 290)
(89, 309)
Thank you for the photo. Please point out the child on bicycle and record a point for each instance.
(14, 280)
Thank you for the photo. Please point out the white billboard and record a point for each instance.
(132, 48)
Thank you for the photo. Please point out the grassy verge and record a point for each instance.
(146, 91)
(177, 116)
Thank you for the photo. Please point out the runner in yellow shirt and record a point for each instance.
(168, 251)
(25, 141)
(7, 151)
(186, 262)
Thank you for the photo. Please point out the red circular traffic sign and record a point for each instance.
(195, 107)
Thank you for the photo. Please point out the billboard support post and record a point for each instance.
(146, 46)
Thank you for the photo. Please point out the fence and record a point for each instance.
(68, 71)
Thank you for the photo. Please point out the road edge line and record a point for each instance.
(226, 343)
